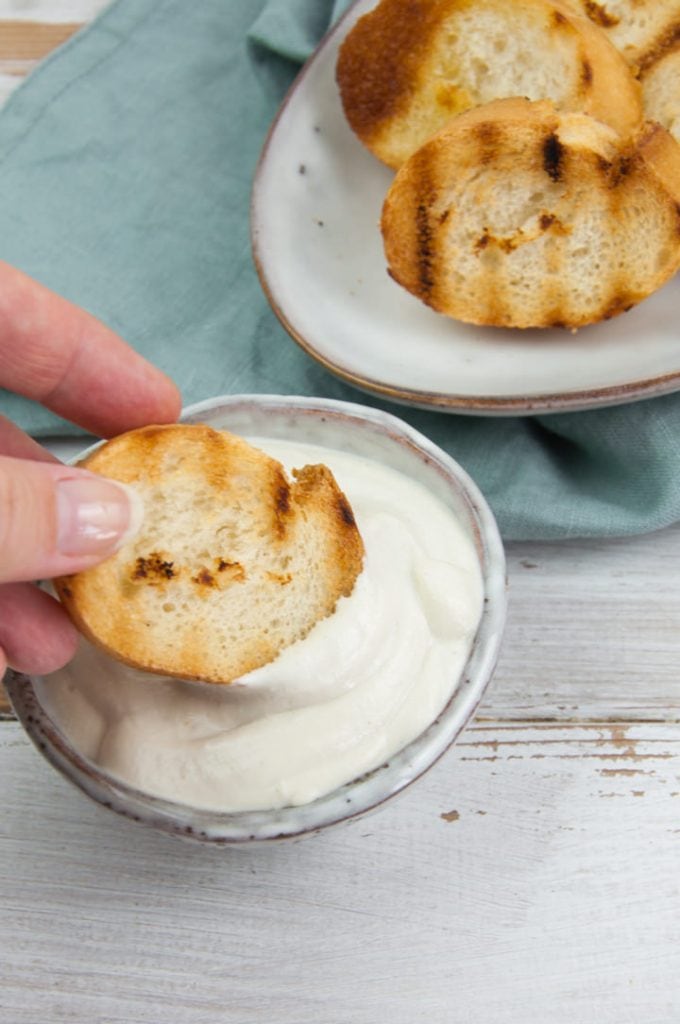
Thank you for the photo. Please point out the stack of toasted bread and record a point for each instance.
(538, 177)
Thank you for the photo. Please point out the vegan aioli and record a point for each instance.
(365, 681)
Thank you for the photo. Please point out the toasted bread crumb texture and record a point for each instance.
(408, 66)
(661, 91)
(516, 215)
(638, 28)
(234, 560)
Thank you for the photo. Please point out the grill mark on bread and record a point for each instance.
(620, 169)
(282, 578)
(281, 504)
(204, 578)
(506, 243)
(283, 499)
(223, 575)
(603, 165)
(425, 223)
(553, 156)
(425, 256)
(667, 41)
(488, 138)
(345, 511)
(153, 569)
(550, 222)
(234, 570)
(483, 240)
(599, 14)
(586, 74)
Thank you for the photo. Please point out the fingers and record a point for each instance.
(56, 353)
(56, 520)
(18, 445)
(36, 635)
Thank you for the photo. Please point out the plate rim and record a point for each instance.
(480, 405)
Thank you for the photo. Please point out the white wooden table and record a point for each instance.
(532, 876)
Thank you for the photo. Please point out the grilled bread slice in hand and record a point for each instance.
(408, 66)
(233, 562)
(517, 215)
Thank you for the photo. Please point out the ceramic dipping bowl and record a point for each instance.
(383, 438)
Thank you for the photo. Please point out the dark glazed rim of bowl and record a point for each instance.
(377, 786)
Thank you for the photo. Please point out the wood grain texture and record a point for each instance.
(593, 631)
(23, 41)
(31, 29)
(531, 876)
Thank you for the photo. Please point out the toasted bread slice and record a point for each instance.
(408, 66)
(233, 563)
(661, 90)
(640, 29)
(647, 33)
(516, 215)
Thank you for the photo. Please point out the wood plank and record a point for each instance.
(32, 40)
(531, 876)
(593, 631)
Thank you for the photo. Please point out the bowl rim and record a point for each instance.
(370, 791)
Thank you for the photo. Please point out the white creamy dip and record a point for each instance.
(364, 683)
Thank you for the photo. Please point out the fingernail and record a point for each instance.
(95, 515)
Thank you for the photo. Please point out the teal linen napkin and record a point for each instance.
(126, 163)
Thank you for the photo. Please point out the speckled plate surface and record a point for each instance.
(316, 207)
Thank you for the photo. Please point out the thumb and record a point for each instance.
(55, 520)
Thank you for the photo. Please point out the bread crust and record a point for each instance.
(234, 560)
(518, 215)
(408, 66)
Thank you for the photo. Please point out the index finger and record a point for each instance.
(63, 357)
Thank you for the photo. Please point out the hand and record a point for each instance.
(55, 519)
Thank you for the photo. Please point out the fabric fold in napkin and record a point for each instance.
(126, 163)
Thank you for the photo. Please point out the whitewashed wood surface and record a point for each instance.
(30, 29)
(532, 877)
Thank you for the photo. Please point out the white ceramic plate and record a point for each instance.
(316, 207)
